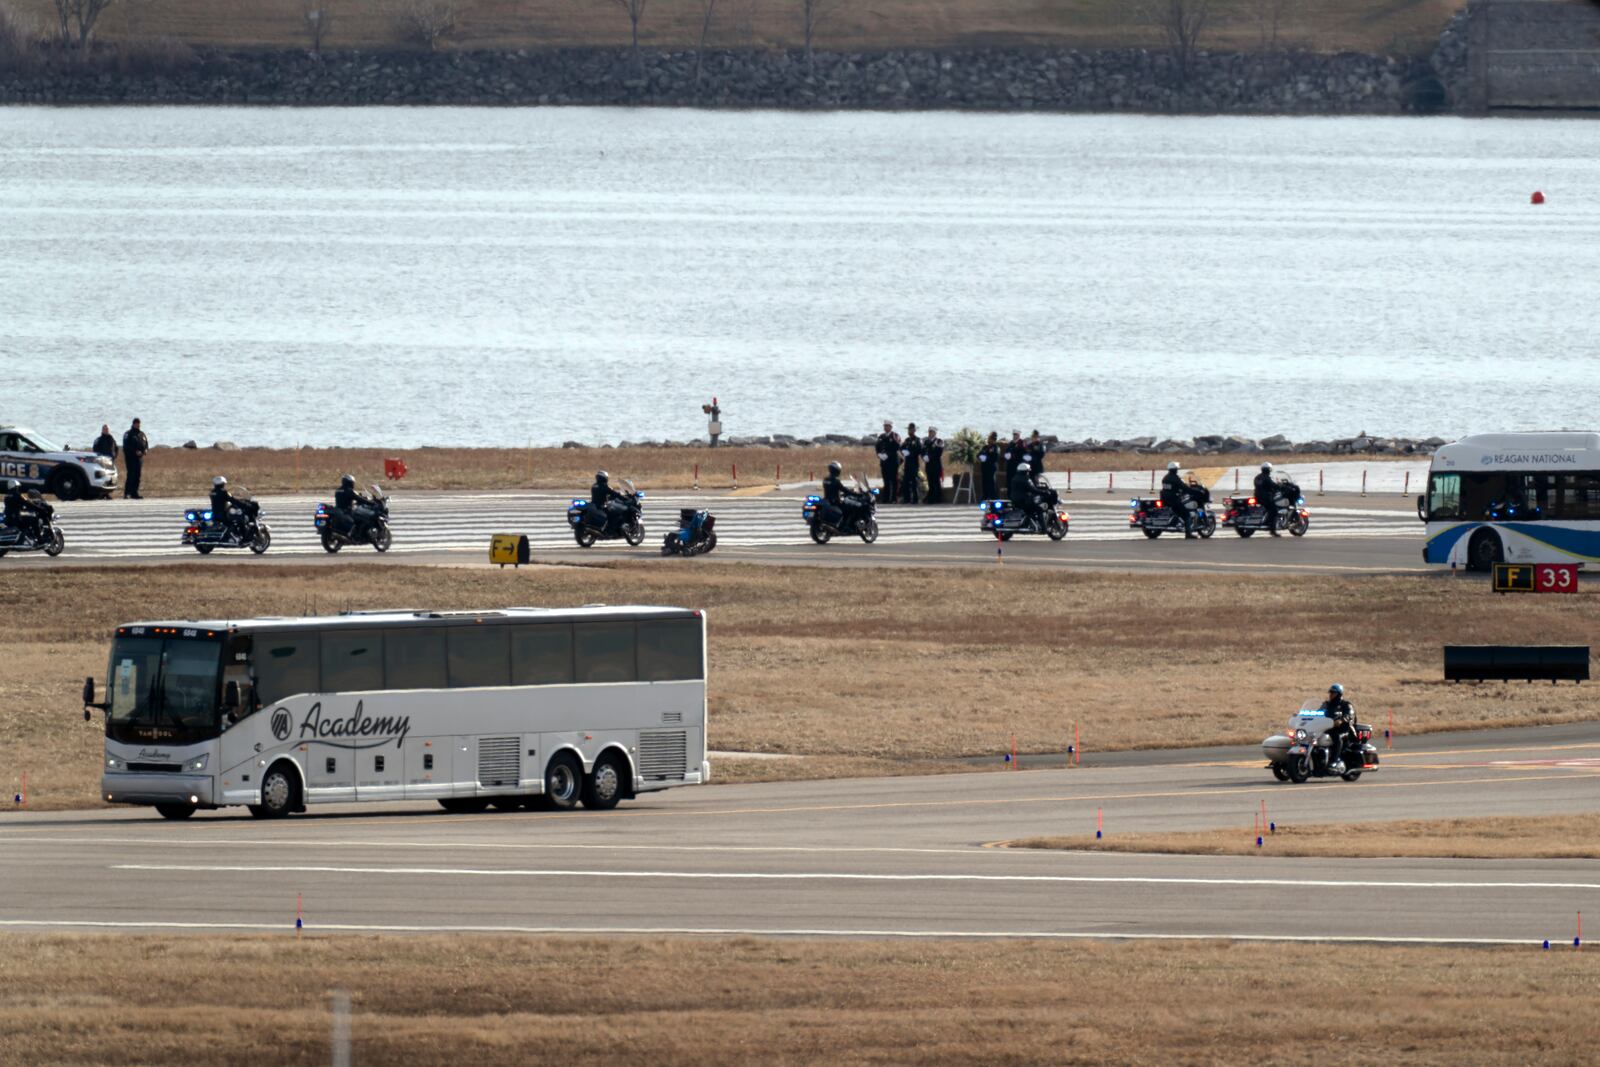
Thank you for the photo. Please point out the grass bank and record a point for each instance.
(422, 1001)
(187, 472)
(1330, 26)
(866, 671)
(1489, 838)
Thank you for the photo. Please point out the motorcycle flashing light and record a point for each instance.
(190, 516)
(874, 492)
(813, 499)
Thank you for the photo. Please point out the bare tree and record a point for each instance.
(426, 22)
(318, 20)
(1269, 19)
(19, 40)
(76, 20)
(1181, 22)
(812, 14)
(708, 11)
(634, 9)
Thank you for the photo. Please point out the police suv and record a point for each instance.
(38, 464)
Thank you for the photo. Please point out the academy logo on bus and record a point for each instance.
(281, 724)
(356, 726)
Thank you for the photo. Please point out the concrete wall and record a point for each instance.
(1534, 54)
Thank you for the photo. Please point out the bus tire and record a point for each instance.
(605, 786)
(280, 792)
(1484, 551)
(175, 811)
(563, 781)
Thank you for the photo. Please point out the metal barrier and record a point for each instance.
(1504, 663)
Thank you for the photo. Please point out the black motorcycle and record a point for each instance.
(47, 539)
(367, 524)
(622, 519)
(858, 516)
(696, 534)
(1005, 520)
(242, 529)
(1247, 514)
(1155, 517)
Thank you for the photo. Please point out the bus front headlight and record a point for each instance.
(198, 764)
(114, 764)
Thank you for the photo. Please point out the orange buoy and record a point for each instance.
(1537, 198)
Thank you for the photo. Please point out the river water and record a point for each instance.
(500, 276)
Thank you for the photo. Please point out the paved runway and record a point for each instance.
(890, 856)
(1348, 534)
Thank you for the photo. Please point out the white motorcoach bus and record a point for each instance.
(469, 708)
(1514, 498)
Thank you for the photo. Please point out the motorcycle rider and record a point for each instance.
(1337, 708)
(350, 506)
(605, 503)
(224, 506)
(1175, 495)
(1267, 497)
(21, 513)
(1025, 495)
(841, 508)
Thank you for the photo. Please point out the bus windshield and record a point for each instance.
(163, 689)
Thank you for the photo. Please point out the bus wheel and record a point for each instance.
(563, 781)
(280, 793)
(175, 811)
(1484, 551)
(604, 787)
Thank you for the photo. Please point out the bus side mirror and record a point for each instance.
(88, 695)
(230, 696)
(1422, 508)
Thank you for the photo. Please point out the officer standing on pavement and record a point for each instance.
(106, 445)
(911, 452)
(1016, 452)
(134, 445)
(933, 455)
(989, 465)
(889, 461)
(1036, 452)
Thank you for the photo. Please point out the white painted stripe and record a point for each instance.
(848, 876)
(737, 931)
(382, 844)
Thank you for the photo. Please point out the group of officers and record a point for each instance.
(1178, 494)
(901, 459)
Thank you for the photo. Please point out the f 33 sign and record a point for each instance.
(1536, 578)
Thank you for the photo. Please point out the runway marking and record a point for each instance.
(379, 843)
(977, 560)
(836, 876)
(734, 931)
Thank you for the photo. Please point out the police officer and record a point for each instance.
(1267, 497)
(601, 497)
(1036, 453)
(1337, 708)
(106, 445)
(933, 456)
(911, 453)
(1175, 495)
(134, 445)
(348, 504)
(222, 503)
(1025, 495)
(841, 508)
(888, 445)
(989, 464)
(21, 513)
(1015, 453)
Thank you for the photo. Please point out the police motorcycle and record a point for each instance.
(696, 534)
(1155, 518)
(49, 538)
(206, 531)
(1247, 514)
(861, 519)
(1305, 750)
(590, 525)
(1004, 520)
(369, 526)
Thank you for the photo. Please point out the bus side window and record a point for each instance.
(286, 664)
(1444, 496)
(478, 656)
(669, 650)
(604, 652)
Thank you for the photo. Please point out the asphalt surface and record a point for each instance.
(1349, 534)
(891, 856)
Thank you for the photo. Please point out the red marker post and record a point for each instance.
(1099, 823)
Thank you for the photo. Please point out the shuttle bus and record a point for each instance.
(1514, 498)
(468, 708)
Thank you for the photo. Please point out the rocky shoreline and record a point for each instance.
(1047, 79)
(1362, 444)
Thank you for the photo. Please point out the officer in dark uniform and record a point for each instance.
(349, 505)
(933, 456)
(911, 452)
(134, 445)
(1175, 495)
(841, 508)
(989, 464)
(1337, 708)
(222, 503)
(888, 445)
(1025, 495)
(1267, 497)
(106, 445)
(601, 497)
(1036, 453)
(21, 513)
(1016, 451)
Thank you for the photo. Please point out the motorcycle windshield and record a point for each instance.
(1310, 717)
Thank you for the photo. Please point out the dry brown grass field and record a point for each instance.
(1567, 837)
(867, 671)
(187, 472)
(423, 1001)
(1328, 26)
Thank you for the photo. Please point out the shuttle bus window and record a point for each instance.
(1444, 496)
(478, 656)
(603, 652)
(286, 664)
(352, 661)
(413, 658)
(669, 650)
(541, 655)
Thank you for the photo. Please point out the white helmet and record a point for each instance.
(218, 482)
(1267, 467)
(1172, 466)
(1024, 466)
